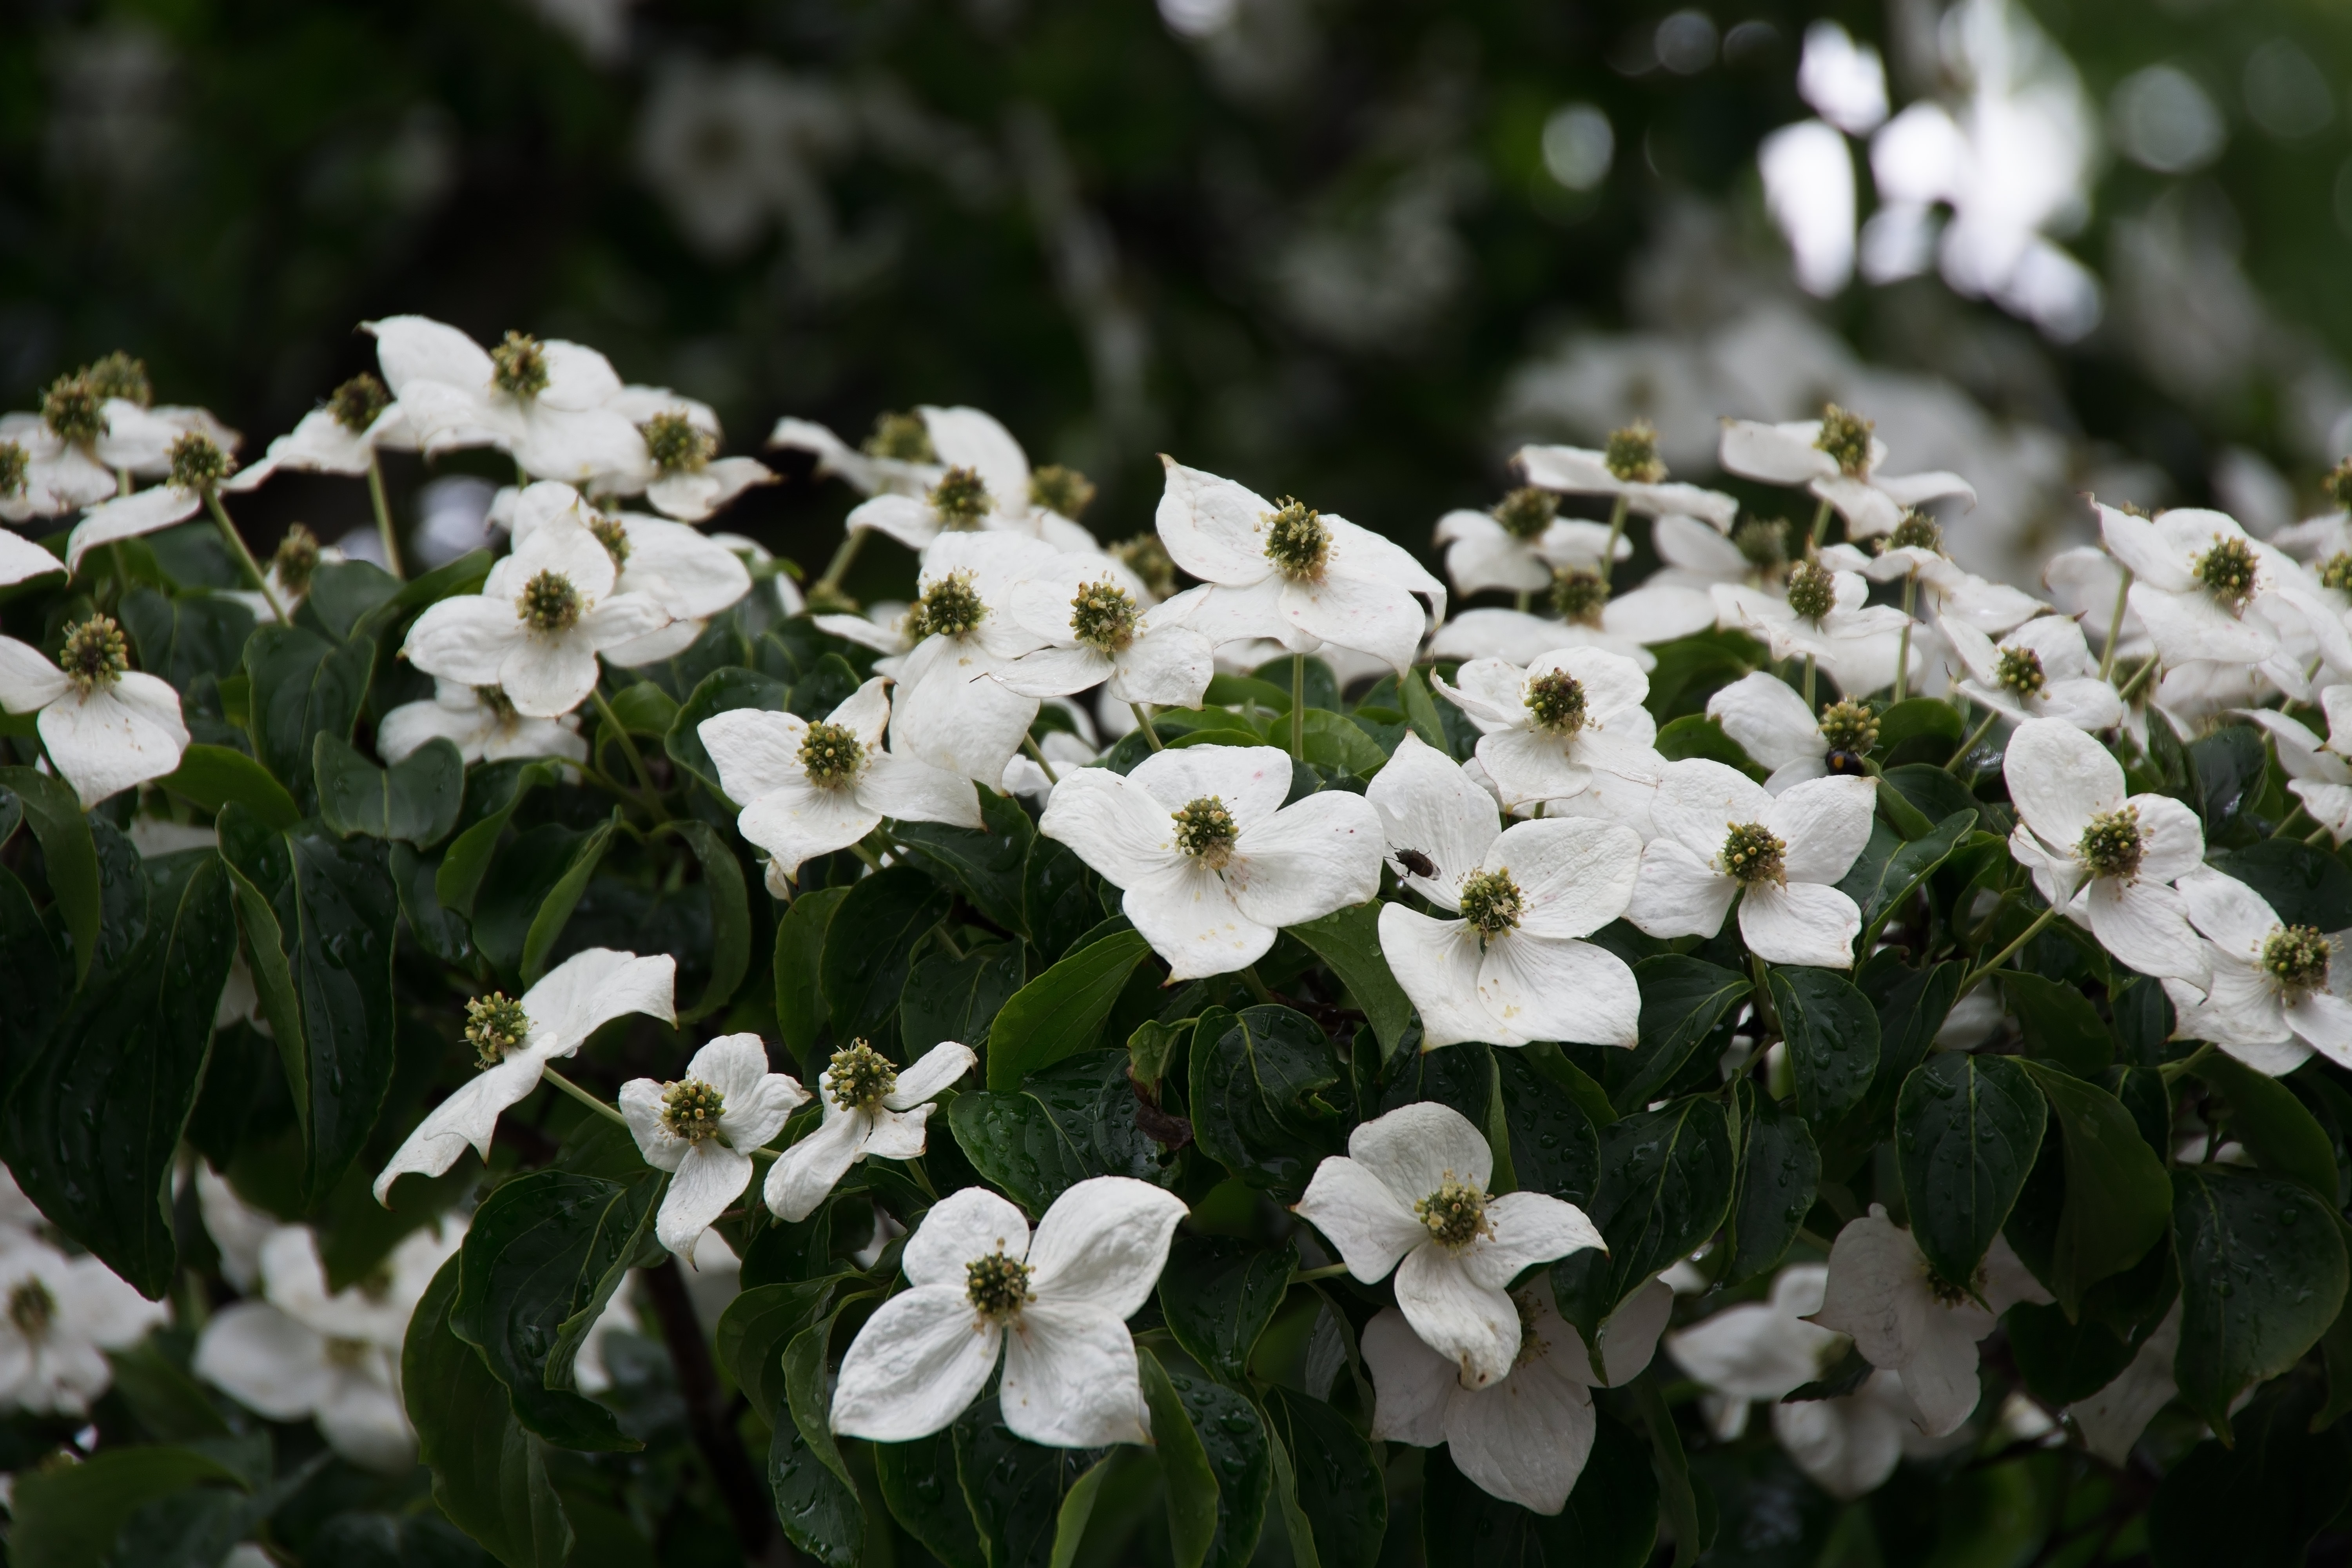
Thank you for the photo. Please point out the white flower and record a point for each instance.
(1570, 722)
(1758, 1349)
(702, 1130)
(1628, 470)
(2086, 583)
(984, 480)
(1517, 637)
(1775, 728)
(60, 475)
(1411, 1195)
(691, 577)
(2206, 592)
(238, 1229)
(1849, 1446)
(1211, 860)
(811, 789)
(1056, 1304)
(61, 1314)
(340, 436)
(1903, 1319)
(2105, 861)
(870, 1108)
(952, 710)
(1720, 836)
(2112, 1419)
(882, 627)
(105, 725)
(74, 450)
(868, 472)
(544, 403)
(2273, 998)
(482, 722)
(156, 508)
(1837, 459)
(534, 631)
(682, 477)
(1954, 593)
(1063, 749)
(1825, 616)
(1502, 548)
(1091, 615)
(21, 560)
(517, 1040)
(2044, 669)
(1510, 969)
(1292, 574)
(2317, 773)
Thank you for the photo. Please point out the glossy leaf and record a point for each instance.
(816, 1501)
(801, 1014)
(870, 943)
(493, 793)
(1912, 1006)
(1060, 898)
(1071, 1121)
(1233, 1437)
(181, 638)
(2261, 1278)
(2303, 884)
(68, 1516)
(1666, 1179)
(69, 858)
(1893, 880)
(1832, 1032)
(415, 800)
(918, 1482)
(1016, 1488)
(2260, 1501)
(1218, 1293)
(212, 776)
(1061, 1012)
(1337, 1477)
(731, 917)
(1611, 1520)
(719, 692)
(1192, 1485)
(1554, 1147)
(1700, 735)
(304, 686)
(2117, 1199)
(1780, 1171)
(2264, 1115)
(2060, 1025)
(1348, 940)
(1261, 1092)
(984, 864)
(951, 999)
(1967, 1130)
(1684, 1001)
(756, 1327)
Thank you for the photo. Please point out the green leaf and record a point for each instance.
(1421, 711)
(2261, 1278)
(984, 864)
(463, 575)
(919, 1483)
(1218, 1293)
(2117, 1199)
(2261, 1502)
(1832, 1032)
(1016, 1488)
(730, 915)
(644, 709)
(2227, 766)
(1934, 793)
(66, 1516)
(756, 1327)
(1666, 1179)
(1923, 719)
(1700, 735)
(415, 800)
(2265, 1116)
(304, 687)
(2060, 1025)
(1912, 1006)
(1611, 1520)
(1684, 1002)
(183, 637)
(1331, 740)
(1075, 1120)
(801, 1014)
(719, 692)
(1682, 1499)
(489, 1476)
(543, 1249)
(1691, 669)
(1061, 1012)
(1235, 1438)
(870, 943)
(540, 880)
(1780, 1171)
(1554, 1148)
(1191, 1485)
(816, 1501)
(1901, 873)
(342, 594)
(1296, 1528)
(212, 776)
(1258, 1081)
(951, 999)
(92, 1118)
(493, 791)
(1967, 1130)
(67, 857)
(1338, 1477)
(2303, 883)
(1348, 941)
(1060, 898)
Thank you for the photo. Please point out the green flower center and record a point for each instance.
(997, 1286)
(691, 1108)
(1492, 902)
(118, 375)
(519, 366)
(612, 535)
(1555, 701)
(1914, 532)
(2018, 669)
(2297, 958)
(1527, 512)
(346, 1353)
(1297, 542)
(549, 603)
(1813, 591)
(961, 498)
(1579, 596)
(2337, 485)
(1455, 1213)
(1205, 831)
(16, 463)
(861, 1077)
(1754, 854)
(1944, 1291)
(832, 754)
(1061, 489)
(495, 1024)
(95, 655)
(1533, 1347)
(1632, 454)
(1102, 616)
(2337, 572)
(198, 464)
(949, 607)
(296, 561)
(1846, 438)
(677, 445)
(496, 700)
(1763, 543)
(32, 1309)
(1149, 559)
(901, 438)
(1850, 727)
(359, 403)
(72, 407)
(2228, 569)
(2113, 845)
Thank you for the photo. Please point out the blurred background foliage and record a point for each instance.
(1354, 251)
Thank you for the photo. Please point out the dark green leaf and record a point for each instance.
(919, 1483)
(644, 709)
(2227, 765)
(1338, 1479)
(950, 998)
(719, 692)
(67, 857)
(2117, 1199)
(493, 792)
(2258, 1504)
(1611, 1520)
(1016, 1488)
(1218, 1293)
(183, 637)
(1683, 1499)
(801, 1015)
(1933, 793)
(985, 864)
(1348, 941)
(1685, 1002)
(415, 800)
(1925, 719)
(212, 776)
(1059, 897)
(1257, 1096)
(1832, 1032)
(1422, 712)
(1699, 735)
(1073, 1120)
(1691, 669)
(2303, 883)
(1192, 1485)
(1774, 1515)
(816, 1501)
(2060, 1025)
(66, 1516)
(1893, 879)
(2261, 1278)
(1554, 1148)
(1667, 1178)
(871, 941)
(463, 575)
(1912, 1006)
(730, 916)
(2264, 1115)
(756, 1327)
(1967, 1130)
(540, 880)
(1330, 741)
(1235, 1438)
(1061, 1012)
(304, 687)
(1779, 1169)
(343, 593)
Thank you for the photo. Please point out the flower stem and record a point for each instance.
(2280, 832)
(1970, 743)
(236, 543)
(838, 567)
(1820, 525)
(1308, 1276)
(2116, 627)
(1903, 655)
(1616, 531)
(1029, 744)
(1523, 601)
(1809, 684)
(1298, 705)
(2138, 680)
(2174, 1071)
(585, 1097)
(652, 796)
(1143, 719)
(384, 530)
(1256, 986)
(2028, 934)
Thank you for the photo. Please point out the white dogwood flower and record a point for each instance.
(684, 477)
(1825, 616)
(1627, 467)
(516, 1040)
(982, 480)
(952, 708)
(61, 1315)
(341, 435)
(2086, 583)
(1211, 861)
(2317, 772)
(2112, 1419)
(536, 628)
(1882, 1291)
(2106, 861)
(2206, 592)
(1849, 1446)
(1758, 1349)
(1292, 574)
(1569, 723)
(1721, 836)
(1099, 627)
(1410, 1195)
(1775, 728)
(1510, 969)
(1056, 1304)
(809, 789)
(2044, 669)
(870, 1108)
(2273, 996)
(1837, 459)
(689, 575)
(85, 435)
(897, 459)
(547, 404)
(105, 725)
(702, 1129)
(482, 722)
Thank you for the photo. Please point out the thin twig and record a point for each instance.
(382, 514)
(585, 1097)
(245, 557)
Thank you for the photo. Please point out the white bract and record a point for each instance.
(1569, 723)
(809, 789)
(702, 1129)
(58, 1316)
(1410, 1195)
(1837, 459)
(1056, 1304)
(2112, 1419)
(1778, 731)
(516, 1040)
(1292, 574)
(105, 725)
(878, 470)
(953, 709)
(1722, 835)
(2207, 593)
(1850, 1446)
(2044, 669)
(481, 723)
(2272, 996)
(982, 479)
(1758, 1349)
(1090, 613)
(1826, 617)
(1211, 861)
(2317, 772)
(1510, 969)
(1628, 470)
(871, 1108)
(682, 477)
(2106, 861)
(688, 576)
(1517, 637)
(545, 403)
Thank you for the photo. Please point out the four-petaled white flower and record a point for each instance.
(1721, 836)
(1056, 1304)
(535, 629)
(1837, 459)
(547, 404)
(106, 726)
(687, 574)
(1510, 969)
(2194, 576)
(74, 448)
(702, 1129)
(904, 464)
(1570, 721)
(683, 477)
(1882, 1291)
(1849, 1446)
(1411, 1195)
(2317, 770)
(1778, 731)
(1758, 1349)
(1627, 468)
(2273, 996)
(982, 479)
(341, 435)
(2106, 861)
(1100, 629)
(516, 1040)
(1211, 861)
(870, 1109)
(2044, 669)
(952, 709)
(1292, 574)
(809, 789)
(483, 724)
(58, 1316)
(2112, 1419)
(1825, 616)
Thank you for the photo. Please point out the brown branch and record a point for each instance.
(731, 1469)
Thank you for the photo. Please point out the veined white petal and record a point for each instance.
(1071, 1379)
(915, 1365)
(1102, 1244)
